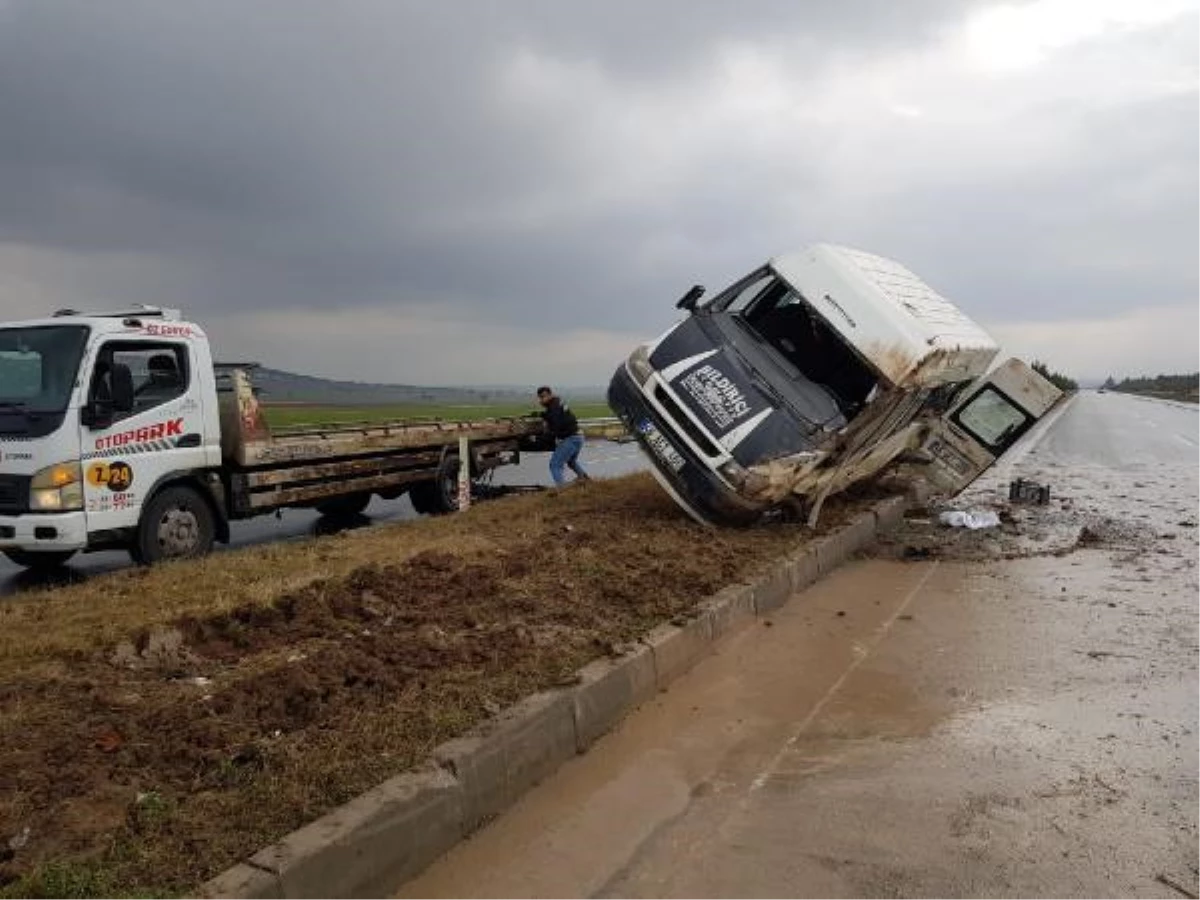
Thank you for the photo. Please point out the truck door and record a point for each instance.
(995, 413)
(126, 452)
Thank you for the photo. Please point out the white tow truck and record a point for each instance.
(117, 430)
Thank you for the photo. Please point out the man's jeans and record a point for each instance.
(567, 454)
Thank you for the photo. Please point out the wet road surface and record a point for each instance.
(1005, 727)
(603, 459)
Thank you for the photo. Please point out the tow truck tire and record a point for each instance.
(343, 507)
(419, 495)
(177, 524)
(40, 560)
(440, 495)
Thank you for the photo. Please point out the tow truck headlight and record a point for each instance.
(57, 488)
(639, 365)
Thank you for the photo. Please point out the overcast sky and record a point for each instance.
(518, 191)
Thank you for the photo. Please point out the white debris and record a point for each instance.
(973, 519)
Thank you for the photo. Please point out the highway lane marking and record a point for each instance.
(862, 653)
(600, 460)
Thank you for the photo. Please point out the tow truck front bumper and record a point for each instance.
(38, 531)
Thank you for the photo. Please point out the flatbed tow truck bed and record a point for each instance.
(309, 464)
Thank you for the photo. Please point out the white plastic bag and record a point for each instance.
(972, 519)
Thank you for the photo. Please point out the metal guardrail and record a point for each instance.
(606, 427)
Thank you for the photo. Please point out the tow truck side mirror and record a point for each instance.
(688, 300)
(122, 389)
(117, 398)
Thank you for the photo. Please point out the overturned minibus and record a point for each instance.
(814, 372)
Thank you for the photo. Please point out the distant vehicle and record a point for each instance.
(117, 430)
(814, 372)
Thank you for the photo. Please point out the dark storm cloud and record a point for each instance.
(568, 165)
(313, 153)
(1108, 226)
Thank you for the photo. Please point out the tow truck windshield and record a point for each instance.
(38, 366)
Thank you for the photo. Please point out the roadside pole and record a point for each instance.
(464, 473)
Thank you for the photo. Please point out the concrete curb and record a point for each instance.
(366, 846)
(608, 689)
(503, 758)
(391, 833)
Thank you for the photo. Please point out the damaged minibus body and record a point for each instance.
(812, 373)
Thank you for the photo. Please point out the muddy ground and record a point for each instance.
(157, 727)
(1084, 509)
(1119, 471)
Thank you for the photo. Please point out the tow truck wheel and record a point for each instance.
(439, 495)
(421, 495)
(176, 524)
(39, 560)
(342, 507)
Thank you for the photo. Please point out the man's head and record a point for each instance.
(545, 395)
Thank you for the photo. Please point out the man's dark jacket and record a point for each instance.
(560, 421)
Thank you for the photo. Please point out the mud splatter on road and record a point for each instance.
(1106, 489)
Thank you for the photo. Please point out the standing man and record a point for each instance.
(564, 428)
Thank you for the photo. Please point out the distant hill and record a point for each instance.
(288, 387)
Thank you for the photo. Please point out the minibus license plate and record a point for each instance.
(660, 445)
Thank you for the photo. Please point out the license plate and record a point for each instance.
(951, 457)
(660, 445)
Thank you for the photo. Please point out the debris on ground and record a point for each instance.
(1022, 490)
(974, 519)
(985, 522)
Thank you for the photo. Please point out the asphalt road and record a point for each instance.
(1124, 433)
(1024, 725)
(603, 459)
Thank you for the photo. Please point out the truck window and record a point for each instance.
(38, 366)
(21, 374)
(160, 372)
(741, 296)
(993, 419)
(782, 318)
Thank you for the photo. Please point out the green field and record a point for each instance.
(294, 415)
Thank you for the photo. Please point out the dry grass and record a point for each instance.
(294, 415)
(40, 625)
(328, 665)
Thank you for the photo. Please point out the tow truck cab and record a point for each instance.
(814, 371)
(96, 412)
